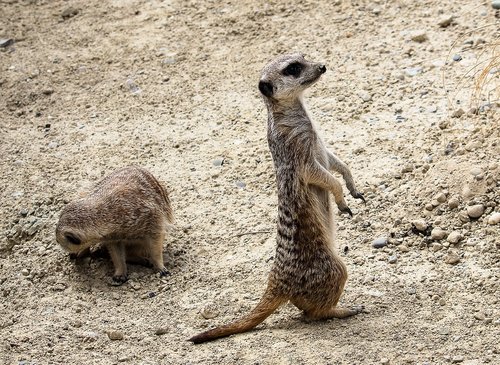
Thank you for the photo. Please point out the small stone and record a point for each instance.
(379, 242)
(442, 301)
(479, 316)
(377, 10)
(494, 218)
(218, 161)
(458, 113)
(25, 272)
(475, 211)
(413, 71)
(161, 331)
(438, 234)
(457, 57)
(365, 96)
(452, 258)
(445, 21)
(495, 4)
(69, 13)
(453, 203)
(240, 184)
(115, 335)
(384, 361)
(457, 359)
(454, 237)
(209, 311)
(420, 225)
(464, 217)
(5, 42)
(407, 168)
(475, 171)
(419, 37)
(436, 247)
(392, 259)
(429, 206)
(132, 86)
(403, 248)
(440, 197)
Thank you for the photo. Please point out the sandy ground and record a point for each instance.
(90, 86)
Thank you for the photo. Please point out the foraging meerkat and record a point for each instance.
(307, 270)
(128, 212)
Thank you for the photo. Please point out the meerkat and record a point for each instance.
(307, 270)
(128, 212)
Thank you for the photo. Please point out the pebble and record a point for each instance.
(457, 57)
(457, 359)
(475, 211)
(440, 197)
(209, 311)
(384, 361)
(413, 71)
(25, 272)
(419, 37)
(218, 161)
(115, 335)
(453, 203)
(420, 225)
(392, 259)
(445, 21)
(495, 4)
(436, 247)
(458, 113)
(379, 242)
(403, 248)
(429, 206)
(438, 234)
(479, 316)
(454, 237)
(494, 218)
(69, 13)
(475, 171)
(407, 168)
(132, 86)
(240, 184)
(365, 96)
(5, 42)
(452, 258)
(161, 331)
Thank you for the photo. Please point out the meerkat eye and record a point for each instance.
(72, 239)
(293, 69)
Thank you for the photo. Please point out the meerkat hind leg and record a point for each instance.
(335, 312)
(118, 256)
(156, 253)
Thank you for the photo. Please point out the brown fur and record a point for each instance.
(307, 270)
(128, 212)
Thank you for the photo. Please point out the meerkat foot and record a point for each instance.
(358, 195)
(337, 312)
(346, 209)
(119, 280)
(164, 272)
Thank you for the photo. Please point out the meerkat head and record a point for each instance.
(288, 76)
(73, 231)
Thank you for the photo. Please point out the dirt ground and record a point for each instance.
(90, 86)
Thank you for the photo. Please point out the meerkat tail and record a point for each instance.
(267, 305)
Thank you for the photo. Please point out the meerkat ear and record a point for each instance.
(266, 88)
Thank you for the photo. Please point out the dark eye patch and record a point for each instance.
(293, 69)
(72, 239)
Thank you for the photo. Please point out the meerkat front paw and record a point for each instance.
(345, 210)
(164, 272)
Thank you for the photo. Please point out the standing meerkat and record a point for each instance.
(307, 270)
(128, 212)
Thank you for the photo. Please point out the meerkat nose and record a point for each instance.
(322, 69)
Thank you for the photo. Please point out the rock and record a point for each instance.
(445, 21)
(218, 161)
(407, 168)
(161, 331)
(420, 225)
(454, 237)
(413, 71)
(379, 242)
(209, 311)
(458, 113)
(240, 184)
(115, 335)
(457, 57)
(440, 197)
(475, 171)
(403, 248)
(365, 96)
(384, 361)
(452, 258)
(436, 247)
(479, 316)
(494, 218)
(132, 86)
(377, 10)
(392, 259)
(429, 206)
(457, 359)
(453, 203)
(495, 4)
(437, 234)
(69, 13)
(25, 272)
(475, 211)
(5, 42)
(419, 37)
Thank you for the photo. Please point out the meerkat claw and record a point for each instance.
(358, 195)
(346, 210)
(164, 272)
(119, 279)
